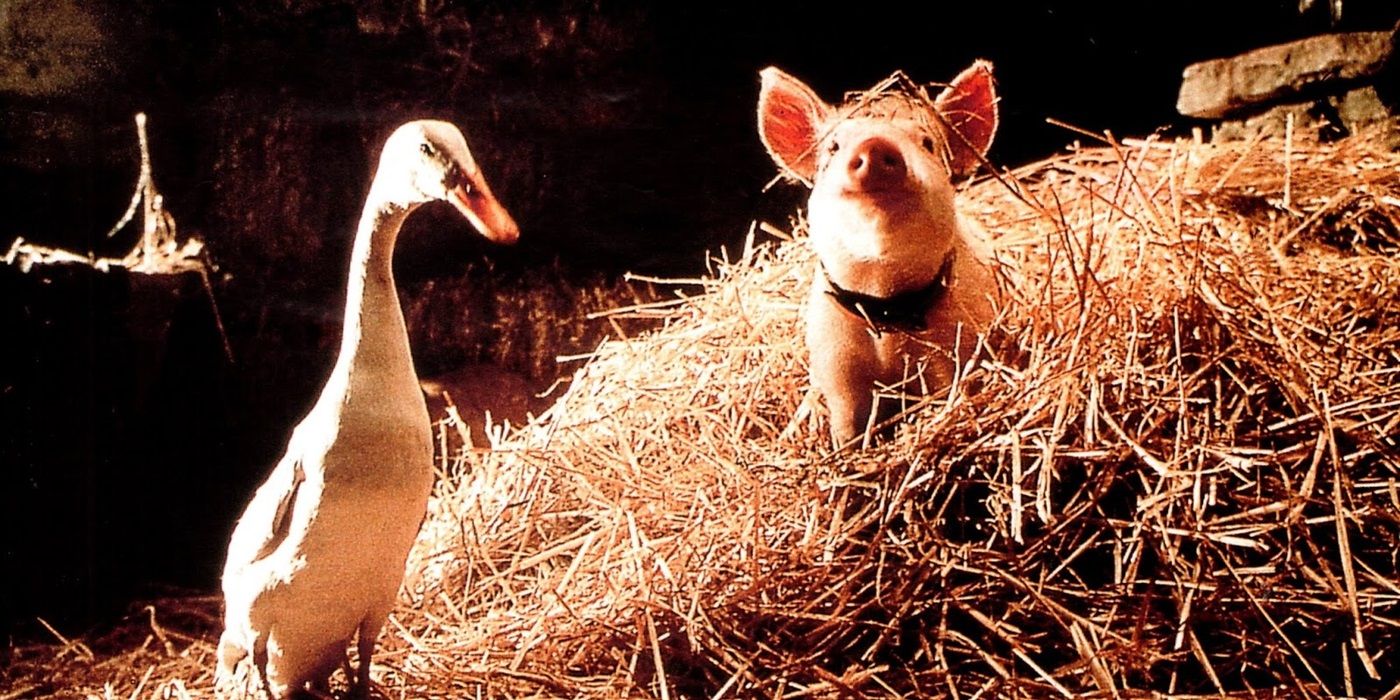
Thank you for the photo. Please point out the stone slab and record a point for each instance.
(1224, 86)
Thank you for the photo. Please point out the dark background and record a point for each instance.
(621, 136)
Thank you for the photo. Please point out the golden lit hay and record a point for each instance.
(1176, 474)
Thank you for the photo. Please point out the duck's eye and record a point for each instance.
(833, 148)
(452, 175)
(928, 144)
(427, 149)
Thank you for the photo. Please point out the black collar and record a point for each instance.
(906, 311)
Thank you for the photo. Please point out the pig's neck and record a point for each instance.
(907, 311)
(886, 267)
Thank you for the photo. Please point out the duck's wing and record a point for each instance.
(267, 520)
(282, 515)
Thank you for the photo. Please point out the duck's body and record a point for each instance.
(318, 556)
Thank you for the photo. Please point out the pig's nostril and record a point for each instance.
(884, 158)
(876, 164)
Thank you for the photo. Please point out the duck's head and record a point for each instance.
(428, 160)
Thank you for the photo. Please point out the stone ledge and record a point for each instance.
(1225, 86)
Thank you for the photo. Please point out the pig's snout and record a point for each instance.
(876, 164)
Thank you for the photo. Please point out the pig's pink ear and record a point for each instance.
(789, 117)
(969, 107)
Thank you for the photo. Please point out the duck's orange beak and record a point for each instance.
(486, 214)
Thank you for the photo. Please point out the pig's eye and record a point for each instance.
(928, 144)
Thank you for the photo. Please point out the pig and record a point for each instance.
(904, 284)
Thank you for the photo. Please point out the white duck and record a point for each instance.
(319, 554)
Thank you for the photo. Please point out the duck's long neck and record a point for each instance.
(374, 353)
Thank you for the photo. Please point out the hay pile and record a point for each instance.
(1185, 480)
(1179, 479)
